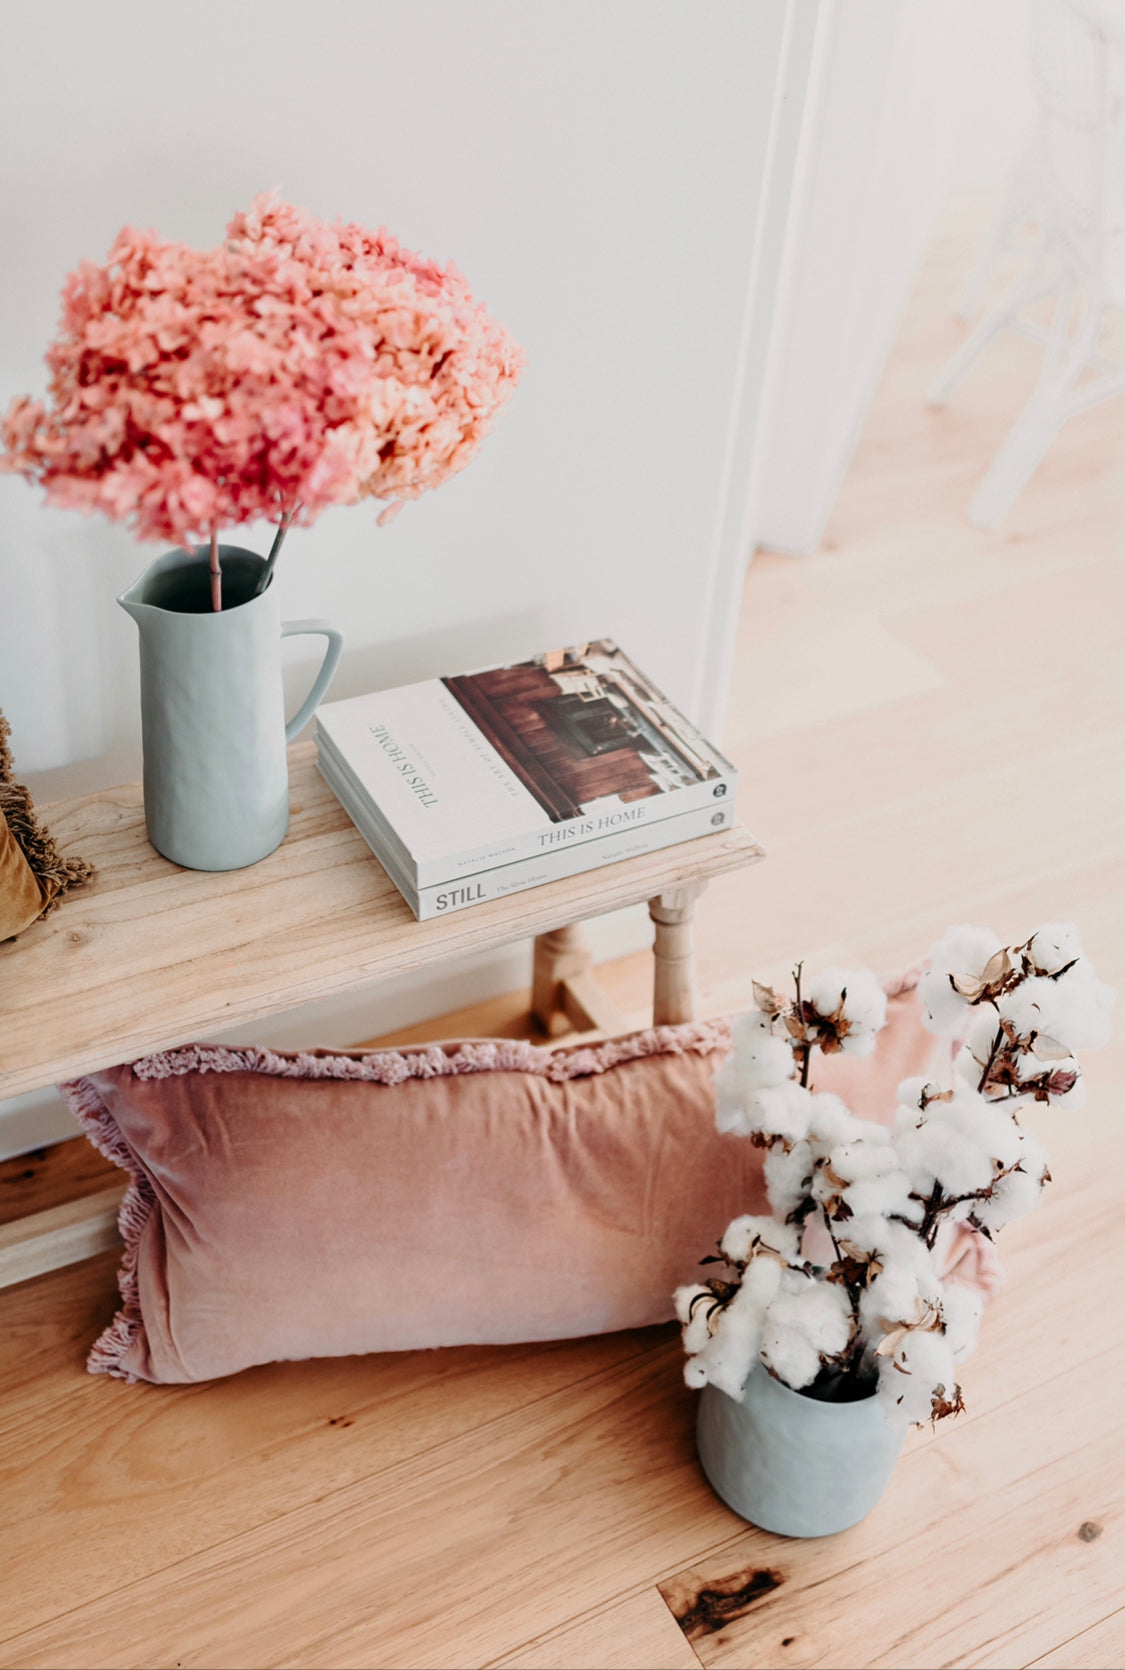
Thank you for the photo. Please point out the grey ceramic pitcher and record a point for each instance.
(216, 783)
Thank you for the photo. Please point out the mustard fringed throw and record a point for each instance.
(33, 873)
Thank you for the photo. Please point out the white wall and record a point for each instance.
(595, 167)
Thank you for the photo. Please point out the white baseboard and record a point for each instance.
(41, 1117)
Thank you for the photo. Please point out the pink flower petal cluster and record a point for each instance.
(443, 367)
(296, 366)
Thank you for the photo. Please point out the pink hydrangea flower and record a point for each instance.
(443, 366)
(296, 366)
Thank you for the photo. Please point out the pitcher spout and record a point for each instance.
(132, 601)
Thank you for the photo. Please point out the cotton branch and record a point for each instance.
(884, 1191)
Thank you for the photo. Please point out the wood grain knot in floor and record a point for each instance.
(702, 1608)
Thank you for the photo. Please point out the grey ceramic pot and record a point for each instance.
(216, 782)
(792, 1464)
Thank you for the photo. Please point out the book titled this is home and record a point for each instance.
(455, 776)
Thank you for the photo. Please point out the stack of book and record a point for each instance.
(470, 788)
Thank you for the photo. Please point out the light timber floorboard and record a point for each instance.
(46, 1177)
(636, 1630)
(1094, 1649)
(930, 723)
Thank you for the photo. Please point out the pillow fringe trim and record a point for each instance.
(433, 1061)
(107, 1354)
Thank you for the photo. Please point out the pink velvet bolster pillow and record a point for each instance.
(322, 1204)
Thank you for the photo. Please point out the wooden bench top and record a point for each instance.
(148, 955)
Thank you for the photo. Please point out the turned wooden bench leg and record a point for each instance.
(565, 996)
(673, 954)
(560, 955)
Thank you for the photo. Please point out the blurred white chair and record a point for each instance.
(1016, 227)
(1078, 150)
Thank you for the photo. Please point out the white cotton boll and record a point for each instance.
(944, 1009)
(831, 1121)
(1054, 945)
(906, 1282)
(818, 1310)
(961, 950)
(981, 1036)
(928, 1365)
(907, 1119)
(788, 1174)
(696, 1321)
(1088, 1007)
(1038, 1005)
(780, 1112)
(743, 1104)
(961, 1311)
(859, 998)
(910, 1092)
(964, 949)
(697, 1332)
(791, 1357)
(866, 1001)
(741, 1109)
(983, 1027)
(937, 1150)
(1012, 1197)
(753, 1024)
(960, 1130)
(825, 991)
(971, 1061)
(807, 1320)
(893, 1244)
(967, 1068)
(729, 1354)
(763, 1061)
(1074, 1011)
(992, 1126)
(956, 1143)
(875, 1184)
(854, 1161)
(865, 1009)
(1018, 1193)
(868, 1131)
(865, 1233)
(890, 1193)
(741, 1234)
(892, 1297)
(859, 1041)
(783, 1111)
(733, 1117)
(685, 1297)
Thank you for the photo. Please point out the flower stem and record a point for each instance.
(282, 529)
(806, 1047)
(990, 1063)
(216, 574)
(851, 1358)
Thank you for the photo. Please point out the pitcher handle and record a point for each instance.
(322, 628)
